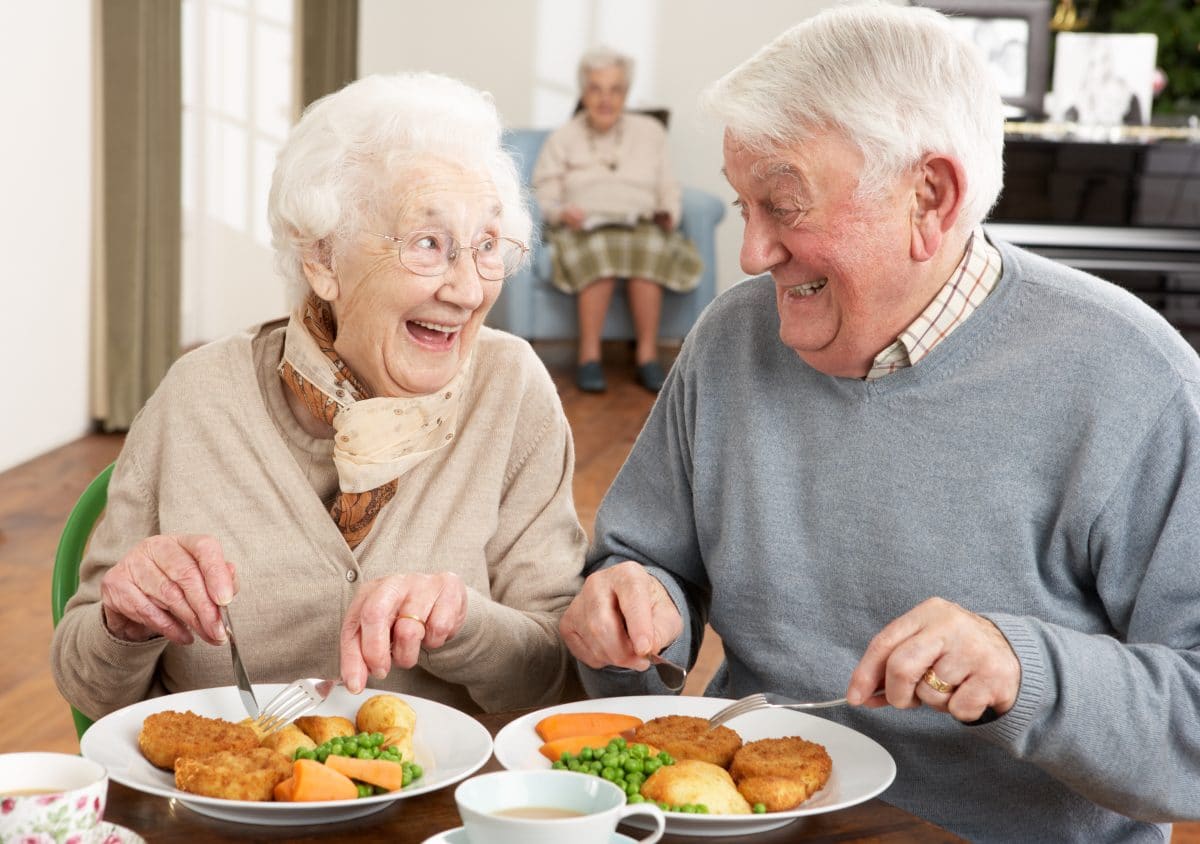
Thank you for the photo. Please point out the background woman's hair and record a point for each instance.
(898, 82)
(340, 161)
(598, 58)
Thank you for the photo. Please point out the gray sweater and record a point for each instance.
(1041, 466)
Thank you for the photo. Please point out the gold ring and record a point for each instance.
(936, 683)
(417, 619)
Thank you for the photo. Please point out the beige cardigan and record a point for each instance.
(216, 451)
(624, 171)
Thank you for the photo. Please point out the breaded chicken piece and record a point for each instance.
(693, 781)
(168, 736)
(687, 737)
(322, 728)
(287, 739)
(244, 775)
(781, 773)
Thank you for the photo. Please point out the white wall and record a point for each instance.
(525, 52)
(45, 219)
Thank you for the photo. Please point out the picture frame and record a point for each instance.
(1014, 36)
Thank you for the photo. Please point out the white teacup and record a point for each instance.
(51, 797)
(490, 805)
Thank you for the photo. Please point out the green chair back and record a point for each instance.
(71, 544)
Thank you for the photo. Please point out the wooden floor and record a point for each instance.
(36, 497)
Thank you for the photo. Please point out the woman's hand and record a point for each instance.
(169, 586)
(572, 216)
(392, 618)
(621, 615)
(964, 650)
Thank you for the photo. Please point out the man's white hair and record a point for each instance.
(598, 58)
(898, 82)
(340, 163)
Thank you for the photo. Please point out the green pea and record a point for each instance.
(619, 742)
(609, 760)
(559, 766)
(666, 758)
(635, 798)
(364, 790)
(586, 754)
(634, 765)
(759, 809)
(631, 788)
(666, 807)
(363, 754)
(417, 771)
(651, 765)
(596, 766)
(609, 773)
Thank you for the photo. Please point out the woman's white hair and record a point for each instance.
(340, 163)
(898, 82)
(598, 58)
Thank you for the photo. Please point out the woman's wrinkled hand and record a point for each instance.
(621, 615)
(963, 649)
(392, 618)
(572, 216)
(169, 586)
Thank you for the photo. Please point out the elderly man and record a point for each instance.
(905, 457)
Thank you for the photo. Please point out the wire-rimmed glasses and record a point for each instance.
(431, 252)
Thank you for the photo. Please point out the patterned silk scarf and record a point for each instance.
(376, 439)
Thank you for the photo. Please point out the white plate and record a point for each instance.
(458, 835)
(448, 745)
(861, 767)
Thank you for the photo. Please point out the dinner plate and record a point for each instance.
(862, 768)
(458, 835)
(448, 745)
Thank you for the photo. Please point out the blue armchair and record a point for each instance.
(530, 307)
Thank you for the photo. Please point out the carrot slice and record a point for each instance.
(567, 724)
(314, 781)
(553, 750)
(380, 772)
(284, 790)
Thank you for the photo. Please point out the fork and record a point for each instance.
(770, 700)
(293, 700)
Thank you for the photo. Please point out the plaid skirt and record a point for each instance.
(644, 251)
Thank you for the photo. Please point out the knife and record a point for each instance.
(239, 670)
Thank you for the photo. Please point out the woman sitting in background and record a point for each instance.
(380, 486)
(605, 187)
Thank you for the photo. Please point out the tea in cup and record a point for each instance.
(546, 807)
(51, 797)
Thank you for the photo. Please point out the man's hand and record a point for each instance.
(621, 615)
(962, 649)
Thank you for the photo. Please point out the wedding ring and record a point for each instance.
(936, 683)
(417, 619)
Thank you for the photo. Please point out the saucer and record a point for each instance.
(459, 836)
(110, 833)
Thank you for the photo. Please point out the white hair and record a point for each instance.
(598, 58)
(897, 82)
(340, 161)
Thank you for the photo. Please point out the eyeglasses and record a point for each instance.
(430, 253)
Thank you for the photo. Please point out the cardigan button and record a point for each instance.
(351, 576)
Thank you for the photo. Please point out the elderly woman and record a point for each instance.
(379, 487)
(605, 187)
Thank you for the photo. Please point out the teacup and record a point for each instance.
(546, 807)
(51, 797)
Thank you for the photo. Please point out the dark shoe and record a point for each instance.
(651, 376)
(589, 377)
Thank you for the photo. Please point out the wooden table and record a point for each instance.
(415, 819)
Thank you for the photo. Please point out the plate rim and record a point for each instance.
(270, 809)
(690, 822)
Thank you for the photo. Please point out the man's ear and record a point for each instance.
(940, 184)
(318, 269)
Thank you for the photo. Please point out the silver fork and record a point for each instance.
(293, 700)
(770, 700)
